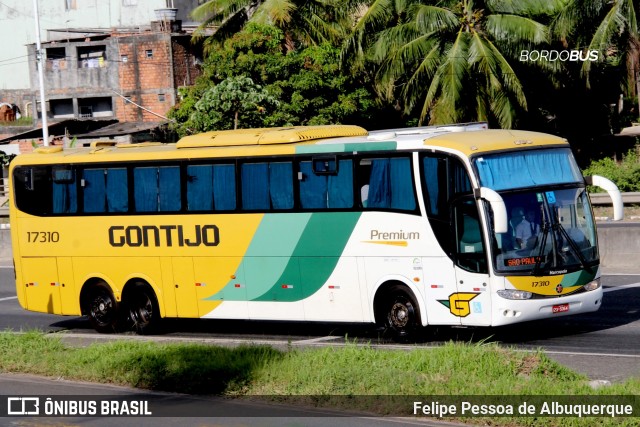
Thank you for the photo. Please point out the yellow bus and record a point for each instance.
(404, 228)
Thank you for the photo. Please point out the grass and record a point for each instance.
(22, 121)
(319, 377)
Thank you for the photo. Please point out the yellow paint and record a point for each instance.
(545, 285)
(459, 303)
(476, 142)
(388, 242)
(267, 136)
(37, 275)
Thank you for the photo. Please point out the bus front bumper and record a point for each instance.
(506, 312)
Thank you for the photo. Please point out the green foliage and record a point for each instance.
(234, 101)
(304, 22)
(450, 61)
(5, 158)
(308, 87)
(625, 173)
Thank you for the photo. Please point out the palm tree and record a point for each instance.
(615, 36)
(451, 59)
(304, 22)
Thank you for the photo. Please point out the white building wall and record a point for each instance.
(17, 26)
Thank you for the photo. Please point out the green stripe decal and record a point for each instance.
(268, 254)
(578, 278)
(314, 258)
(291, 256)
(349, 147)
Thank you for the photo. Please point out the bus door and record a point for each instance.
(184, 287)
(472, 302)
(42, 285)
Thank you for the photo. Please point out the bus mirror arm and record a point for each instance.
(614, 193)
(500, 222)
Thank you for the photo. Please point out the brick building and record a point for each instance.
(132, 76)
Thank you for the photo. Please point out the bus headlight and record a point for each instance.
(514, 294)
(593, 285)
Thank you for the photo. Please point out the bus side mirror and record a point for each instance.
(614, 193)
(500, 220)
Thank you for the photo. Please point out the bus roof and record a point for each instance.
(468, 139)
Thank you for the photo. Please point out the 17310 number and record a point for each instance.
(43, 236)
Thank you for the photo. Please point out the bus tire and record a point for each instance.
(142, 309)
(401, 314)
(102, 308)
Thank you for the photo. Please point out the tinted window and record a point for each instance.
(321, 190)
(211, 187)
(156, 189)
(267, 186)
(105, 190)
(388, 183)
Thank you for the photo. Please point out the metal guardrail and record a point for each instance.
(604, 199)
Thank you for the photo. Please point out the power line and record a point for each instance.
(17, 57)
(141, 107)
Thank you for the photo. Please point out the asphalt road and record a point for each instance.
(171, 409)
(604, 345)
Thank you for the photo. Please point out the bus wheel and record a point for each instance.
(143, 310)
(401, 314)
(102, 309)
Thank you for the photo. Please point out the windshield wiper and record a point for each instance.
(544, 228)
(572, 244)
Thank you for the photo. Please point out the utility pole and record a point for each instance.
(39, 65)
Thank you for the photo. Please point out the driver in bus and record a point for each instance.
(522, 228)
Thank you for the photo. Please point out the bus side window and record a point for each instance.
(444, 178)
(105, 190)
(267, 186)
(211, 187)
(389, 184)
(470, 246)
(65, 189)
(32, 185)
(327, 191)
(156, 189)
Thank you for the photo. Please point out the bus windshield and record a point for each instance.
(551, 230)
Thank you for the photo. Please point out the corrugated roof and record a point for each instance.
(72, 127)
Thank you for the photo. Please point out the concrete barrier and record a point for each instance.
(619, 247)
(5, 245)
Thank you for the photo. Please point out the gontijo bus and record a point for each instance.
(404, 228)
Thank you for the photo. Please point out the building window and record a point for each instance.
(161, 97)
(62, 108)
(95, 107)
(56, 53)
(56, 58)
(149, 53)
(70, 5)
(92, 56)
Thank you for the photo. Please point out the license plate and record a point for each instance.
(560, 308)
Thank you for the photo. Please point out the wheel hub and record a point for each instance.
(399, 315)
